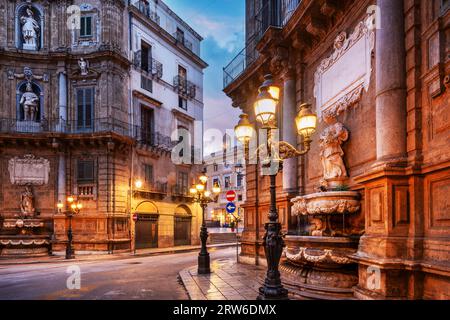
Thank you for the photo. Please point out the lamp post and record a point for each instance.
(306, 121)
(203, 197)
(74, 208)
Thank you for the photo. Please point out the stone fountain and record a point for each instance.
(24, 235)
(316, 264)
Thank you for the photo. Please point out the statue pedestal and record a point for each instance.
(31, 47)
(28, 126)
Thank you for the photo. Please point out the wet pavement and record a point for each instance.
(227, 281)
(143, 278)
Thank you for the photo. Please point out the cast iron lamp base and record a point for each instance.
(203, 256)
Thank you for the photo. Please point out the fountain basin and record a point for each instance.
(320, 267)
(329, 202)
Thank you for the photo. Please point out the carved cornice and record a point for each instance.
(316, 255)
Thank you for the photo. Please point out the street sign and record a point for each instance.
(135, 217)
(231, 195)
(231, 207)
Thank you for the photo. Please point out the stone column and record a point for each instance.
(62, 178)
(289, 132)
(62, 99)
(391, 83)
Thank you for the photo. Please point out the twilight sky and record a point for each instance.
(221, 24)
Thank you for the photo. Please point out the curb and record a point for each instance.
(95, 258)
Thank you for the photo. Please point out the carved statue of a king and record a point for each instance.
(30, 30)
(29, 102)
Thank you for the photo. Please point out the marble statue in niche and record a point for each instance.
(27, 203)
(30, 103)
(331, 154)
(30, 30)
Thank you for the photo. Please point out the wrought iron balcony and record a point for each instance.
(144, 7)
(152, 191)
(102, 125)
(152, 66)
(140, 134)
(149, 138)
(268, 16)
(182, 40)
(184, 87)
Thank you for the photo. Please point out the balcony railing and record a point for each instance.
(144, 7)
(140, 134)
(152, 66)
(182, 40)
(266, 17)
(184, 87)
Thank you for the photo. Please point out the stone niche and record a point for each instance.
(29, 170)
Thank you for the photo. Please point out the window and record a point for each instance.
(182, 103)
(146, 56)
(183, 181)
(86, 27)
(148, 172)
(240, 197)
(227, 180)
(445, 5)
(85, 108)
(146, 83)
(216, 182)
(147, 125)
(239, 180)
(216, 167)
(180, 35)
(85, 171)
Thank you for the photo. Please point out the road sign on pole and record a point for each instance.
(135, 217)
(230, 207)
(231, 195)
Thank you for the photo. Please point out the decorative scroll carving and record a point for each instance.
(29, 170)
(350, 66)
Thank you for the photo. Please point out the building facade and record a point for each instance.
(228, 176)
(167, 98)
(366, 209)
(76, 112)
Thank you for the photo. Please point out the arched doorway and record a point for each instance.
(182, 226)
(146, 226)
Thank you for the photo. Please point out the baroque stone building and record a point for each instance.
(366, 210)
(68, 127)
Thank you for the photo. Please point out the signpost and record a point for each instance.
(231, 209)
(231, 196)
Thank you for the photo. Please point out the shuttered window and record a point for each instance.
(85, 171)
(85, 108)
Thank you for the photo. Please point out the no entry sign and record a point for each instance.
(231, 195)
(135, 217)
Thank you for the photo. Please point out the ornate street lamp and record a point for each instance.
(203, 197)
(306, 121)
(74, 208)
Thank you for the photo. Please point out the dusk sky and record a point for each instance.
(221, 24)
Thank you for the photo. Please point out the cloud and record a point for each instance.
(227, 32)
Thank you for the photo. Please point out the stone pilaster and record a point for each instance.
(289, 132)
(391, 83)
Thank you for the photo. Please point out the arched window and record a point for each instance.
(29, 27)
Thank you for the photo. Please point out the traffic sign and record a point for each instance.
(231, 195)
(135, 217)
(231, 207)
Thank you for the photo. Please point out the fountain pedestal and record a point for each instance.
(23, 237)
(317, 265)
